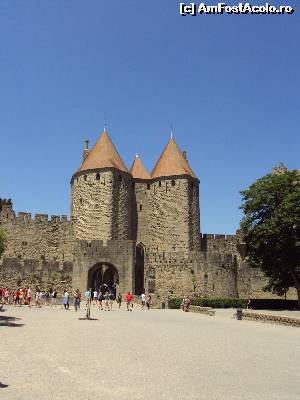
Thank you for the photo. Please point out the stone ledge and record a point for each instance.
(203, 310)
(275, 319)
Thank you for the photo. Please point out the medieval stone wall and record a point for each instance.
(102, 205)
(217, 271)
(37, 238)
(196, 274)
(18, 273)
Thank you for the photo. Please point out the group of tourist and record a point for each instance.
(23, 297)
(104, 298)
(16, 297)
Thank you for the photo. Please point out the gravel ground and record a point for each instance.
(157, 354)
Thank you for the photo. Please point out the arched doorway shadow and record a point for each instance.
(103, 274)
(139, 269)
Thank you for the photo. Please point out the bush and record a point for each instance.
(174, 303)
(210, 302)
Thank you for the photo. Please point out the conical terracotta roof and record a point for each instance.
(138, 170)
(172, 162)
(103, 155)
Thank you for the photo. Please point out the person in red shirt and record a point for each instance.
(17, 297)
(128, 299)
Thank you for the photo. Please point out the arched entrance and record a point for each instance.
(103, 274)
(139, 269)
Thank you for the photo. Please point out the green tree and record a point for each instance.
(5, 202)
(271, 229)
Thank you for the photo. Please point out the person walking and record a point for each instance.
(129, 303)
(21, 297)
(148, 302)
(66, 300)
(119, 300)
(111, 300)
(106, 301)
(28, 296)
(17, 297)
(53, 297)
(100, 300)
(182, 305)
(95, 297)
(77, 299)
(143, 299)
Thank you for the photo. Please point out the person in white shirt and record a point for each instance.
(95, 297)
(66, 300)
(143, 298)
(28, 297)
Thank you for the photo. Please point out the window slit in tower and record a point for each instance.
(97, 176)
(141, 207)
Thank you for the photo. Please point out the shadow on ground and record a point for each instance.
(9, 321)
(2, 385)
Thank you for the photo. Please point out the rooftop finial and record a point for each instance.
(171, 134)
(136, 155)
(105, 125)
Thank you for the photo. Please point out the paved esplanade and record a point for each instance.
(160, 354)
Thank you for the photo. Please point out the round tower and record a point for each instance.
(175, 203)
(102, 195)
(142, 199)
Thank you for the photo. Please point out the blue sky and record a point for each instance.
(228, 84)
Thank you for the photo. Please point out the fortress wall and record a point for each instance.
(37, 237)
(15, 273)
(196, 274)
(101, 208)
(251, 282)
(204, 274)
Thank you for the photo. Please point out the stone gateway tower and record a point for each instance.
(101, 218)
(135, 230)
(119, 218)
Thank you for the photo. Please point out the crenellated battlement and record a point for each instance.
(37, 237)
(8, 214)
(214, 236)
(219, 243)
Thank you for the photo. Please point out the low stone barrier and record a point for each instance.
(202, 310)
(274, 319)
